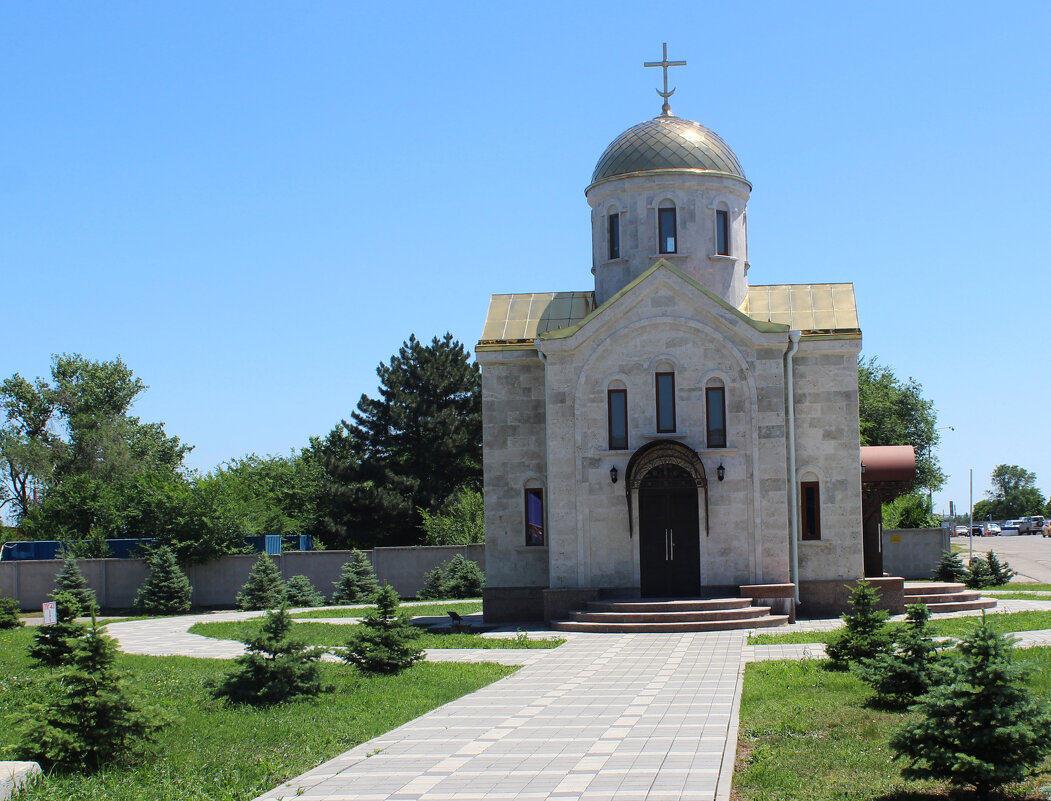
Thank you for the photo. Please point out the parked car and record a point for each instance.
(992, 529)
(961, 531)
(977, 530)
(1036, 524)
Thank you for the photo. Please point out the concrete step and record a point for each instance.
(963, 606)
(923, 588)
(657, 628)
(942, 597)
(671, 605)
(743, 613)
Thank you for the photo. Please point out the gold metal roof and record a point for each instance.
(804, 307)
(523, 317)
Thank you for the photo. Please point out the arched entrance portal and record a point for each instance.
(668, 482)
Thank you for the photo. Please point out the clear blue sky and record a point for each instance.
(254, 204)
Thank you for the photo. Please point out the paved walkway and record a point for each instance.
(605, 717)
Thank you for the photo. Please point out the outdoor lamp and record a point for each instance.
(720, 471)
(613, 474)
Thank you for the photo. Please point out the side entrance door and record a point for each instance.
(669, 534)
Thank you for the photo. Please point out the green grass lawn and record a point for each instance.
(430, 610)
(329, 634)
(946, 627)
(232, 753)
(806, 734)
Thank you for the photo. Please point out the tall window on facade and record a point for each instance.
(722, 232)
(811, 510)
(614, 236)
(715, 400)
(666, 230)
(665, 402)
(617, 407)
(534, 516)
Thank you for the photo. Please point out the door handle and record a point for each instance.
(666, 545)
(671, 541)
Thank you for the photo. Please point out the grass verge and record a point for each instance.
(231, 753)
(429, 610)
(946, 627)
(329, 634)
(806, 734)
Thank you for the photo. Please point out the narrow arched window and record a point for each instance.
(665, 388)
(715, 408)
(534, 516)
(722, 232)
(613, 233)
(666, 239)
(617, 413)
(810, 510)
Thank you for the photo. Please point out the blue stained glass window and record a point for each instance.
(534, 499)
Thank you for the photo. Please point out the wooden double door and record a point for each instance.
(669, 534)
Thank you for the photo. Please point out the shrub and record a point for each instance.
(433, 586)
(300, 592)
(999, 572)
(384, 641)
(9, 609)
(166, 590)
(978, 574)
(980, 728)
(865, 634)
(910, 666)
(357, 581)
(460, 521)
(71, 580)
(950, 568)
(54, 644)
(93, 719)
(463, 578)
(276, 667)
(264, 588)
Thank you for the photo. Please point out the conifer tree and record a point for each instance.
(865, 633)
(999, 572)
(54, 644)
(357, 581)
(433, 588)
(384, 641)
(166, 590)
(978, 574)
(950, 568)
(276, 667)
(300, 592)
(909, 667)
(9, 609)
(94, 719)
(71, 580)
(463, 578)
(264, 588)
(981, 727)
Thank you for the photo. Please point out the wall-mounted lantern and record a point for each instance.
(613, 474)
(720, 471)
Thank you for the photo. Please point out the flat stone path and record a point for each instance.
(604, 717)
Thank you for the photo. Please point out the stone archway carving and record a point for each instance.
(661, 452)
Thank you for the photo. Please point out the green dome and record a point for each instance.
(667, 143)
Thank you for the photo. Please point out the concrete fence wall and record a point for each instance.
(913, 553)
(216, 583)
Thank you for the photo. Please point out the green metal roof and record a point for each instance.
(667, 143)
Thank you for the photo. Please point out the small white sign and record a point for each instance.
(50, 613)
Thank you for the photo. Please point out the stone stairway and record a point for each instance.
(671, 615)
(944, 597)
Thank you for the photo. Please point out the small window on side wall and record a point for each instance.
(715, 401)
(614, 236)
(666, 229)
(810, 510)
(534, 516)
(722, 232)
(665, 384)
(617, 408)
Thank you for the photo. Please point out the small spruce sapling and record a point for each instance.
(357, 581)
(276, 667)
(434, 588)
(54, 644)
(909, 667)
(978, 574)
(981, 727)
(865, 634)
(9, 609)
(166, 590)
(463, 578)
(300, 592)
(71, 580)
(950, 568)
(999, 572)
(264, 588)
(94, 719)
(384, 642)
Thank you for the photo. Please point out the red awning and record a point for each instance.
(887, 463)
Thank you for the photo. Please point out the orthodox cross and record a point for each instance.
(664, 64)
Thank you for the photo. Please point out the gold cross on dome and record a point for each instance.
(664, 64)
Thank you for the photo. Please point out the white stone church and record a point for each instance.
(676, 431)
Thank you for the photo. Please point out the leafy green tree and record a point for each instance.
(9, 609)
(433, 588)
(909, 666)
(384, 642)
(166, 590)
(979, 728)
(460, 521)
(912, 510)
(29, 450)
(71, 580)
(950, 568)
(894, 412)
(357, 581)
(275, 668)
(264, 589)
(406, 450)
(300, 592)
(463, 578)
(53, 645)
(865, 634)
(95, 718)
(1013, 494)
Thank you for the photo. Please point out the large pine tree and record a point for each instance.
(410, 448)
